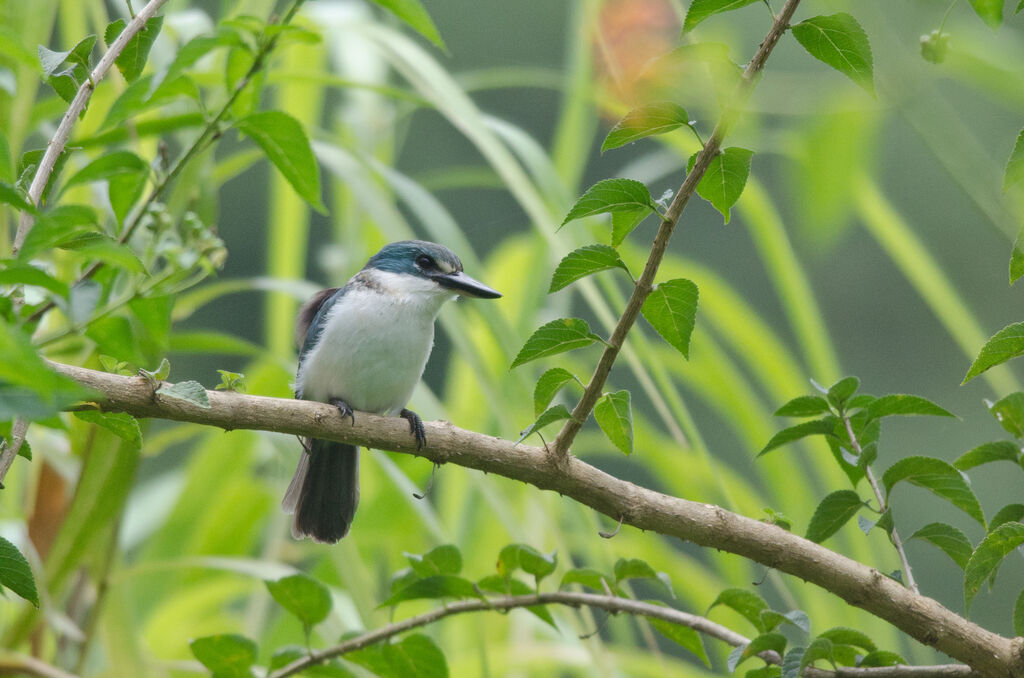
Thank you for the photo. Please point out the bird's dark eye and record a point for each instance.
(425, 262)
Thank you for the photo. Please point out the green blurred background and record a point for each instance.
(872, 239)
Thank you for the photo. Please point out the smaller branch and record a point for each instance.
(614, 605)
(60, 138)
(894, 535)
(23, 665)
(9, 448)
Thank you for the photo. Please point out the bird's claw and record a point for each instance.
(415, 426)
(344, 409)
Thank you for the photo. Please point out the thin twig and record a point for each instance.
(614, 605)
(23, 665)
(9, 449)
(645, 284)
(893, 534)
(60, 138)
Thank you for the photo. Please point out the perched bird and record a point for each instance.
(364, 347)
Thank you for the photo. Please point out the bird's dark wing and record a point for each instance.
(312, 316)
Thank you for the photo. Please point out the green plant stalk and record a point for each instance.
(576, 121)
(671, 217)
(907, 251)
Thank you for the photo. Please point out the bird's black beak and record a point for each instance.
(461, 283)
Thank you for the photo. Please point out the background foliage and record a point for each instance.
(871, 238)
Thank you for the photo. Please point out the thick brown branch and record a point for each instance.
(645, 283)
(615, 606)
(920, 617)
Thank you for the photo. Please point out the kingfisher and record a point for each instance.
(364, 347)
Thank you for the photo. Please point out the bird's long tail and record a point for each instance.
(324, 492)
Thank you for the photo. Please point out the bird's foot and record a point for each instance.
(344, 409)
(415, 426)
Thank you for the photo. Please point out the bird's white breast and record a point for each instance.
(375, 343)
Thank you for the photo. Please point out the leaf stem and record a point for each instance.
(645, 284)
(882, 506)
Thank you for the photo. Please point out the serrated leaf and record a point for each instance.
(587, 577)
(985, 560)
(726, 175)
(124, 426)
(513, 587)
(302, 596)
(683, 636)
(671, 309)
(938, 476)
(819, 649)
(763, 643)
(415, 656)
(227, 655)
(611, 195)
(437, 586)
(582, 262)
(952, 541)
(189, 391)
(16, 574)
(78, 55)
(24, 274)
(9, 195)
(841, 635)
(990, 11)
(107, 166)
(548, 416)
(413, 13)
(803, 406)
(791, 662)
(840, 392)
(889, 405)
(1017, 255)
(645, 121)
(557, 336)
(701, 9)
(1009, 412)
(823, 426)
(881, 658)
(1005, 344)
(1011, 513)
(55, 226)
(839, 41)
(99, 246)
(285, 144)
(444, 559)
(614, 416)
(527, 559)
(832, 513)
(132, 60)
(549, 384)
(746, 603)
(1002, 450)
(623, 223)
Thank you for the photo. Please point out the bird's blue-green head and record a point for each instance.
(430, 262)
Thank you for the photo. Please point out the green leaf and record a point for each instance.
(823, 426)
(132, 60)
(1014, 172)
(304, 597)
(54, 227)
(840, 392)
(1017, 256)
(16, 574)
(952, 541)
(614, 416)
(9, 195)
(414, 14)
(582, 262)
(189, 391)
(671, 309)
(107, 166)
(24, 274)
(1018, 610)
(702, 9)
(1011, 513)
(990, 11)
(78, 55)
(839, 41)
(938, 476)
(841, 635)
(791, 662)
(285, 143)
(723, 182)
(656, 118)
(28, 387)
(762, 643)
(231, 381)
(436, 586)
(803, 406)
(227, 655)
(832, 513)
(819, 649)
(557, 336)
(549, 384)
(881, 658)
(683, 636)
(507, 586)
(589, 578)
(623, 223)
(528, 559)
(611, 195)
(1009, 412)
(444, 559)
(634, 568)
(904, 404)
(98, 246)
(124, 426)
(212, 342)
(748, 604)
(1002, 450)
(548, 416)
(1005, 344)
(985, 561)
(416, 656)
